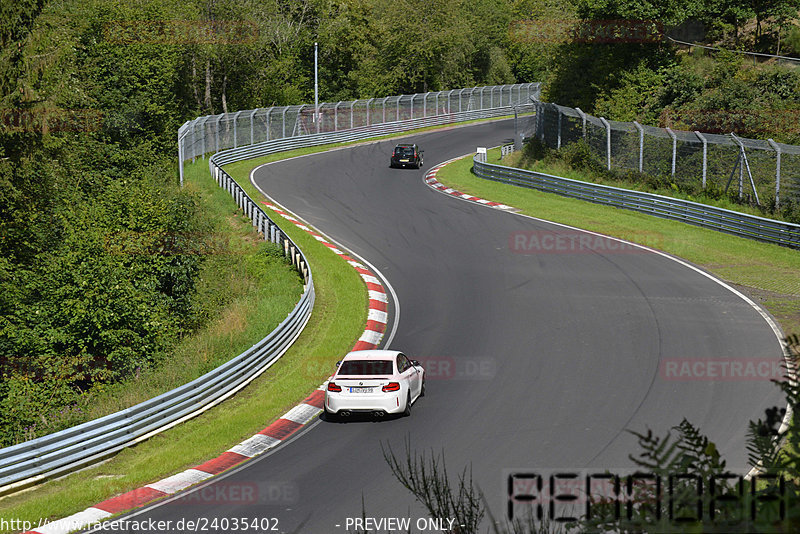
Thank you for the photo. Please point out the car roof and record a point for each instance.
(372, 355)
(405, 144)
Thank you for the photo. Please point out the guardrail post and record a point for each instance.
(608, 141)
(674, 149)
(705, 155)
(641, 144)
(777, 149)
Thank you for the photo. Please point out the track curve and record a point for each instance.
(556, 354)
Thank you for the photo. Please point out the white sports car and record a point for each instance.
(374, 381)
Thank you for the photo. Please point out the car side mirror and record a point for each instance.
(338, 363)
(415, 363)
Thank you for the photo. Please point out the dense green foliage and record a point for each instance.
(95, 280)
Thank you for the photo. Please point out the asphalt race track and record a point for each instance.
(538, 359)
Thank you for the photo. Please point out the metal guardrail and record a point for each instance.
(722, 220)
(59, 453)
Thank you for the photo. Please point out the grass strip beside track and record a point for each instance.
(336, 323)
(769, 274)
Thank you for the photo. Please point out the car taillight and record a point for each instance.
(391, 386)
(332, 386)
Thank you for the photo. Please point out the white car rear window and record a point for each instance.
(366, 368)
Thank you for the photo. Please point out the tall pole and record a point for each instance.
(316, 87)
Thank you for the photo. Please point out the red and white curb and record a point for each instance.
(430, 179)
(377, 315)
(270, 437)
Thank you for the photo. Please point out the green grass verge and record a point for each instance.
(337, 321)
(767, 273)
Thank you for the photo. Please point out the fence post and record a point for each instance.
(203, 136)
(705, 155)
(191, 144)
(219, 118)
(336, 117)
(397, 107)
(252, 126)
(235, 120)
(608, 141)
(180, 159)
(641, 144)
(369, 103)
(674, 149)
(583, 121)
(744, 163)
(283, 129)
(558, 138)
(777, 149)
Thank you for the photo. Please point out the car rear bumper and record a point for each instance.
(404, 163)
(353, 402)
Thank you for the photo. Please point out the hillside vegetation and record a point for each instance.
(92, 93)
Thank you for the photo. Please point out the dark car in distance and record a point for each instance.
(406, 155)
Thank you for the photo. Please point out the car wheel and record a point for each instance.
(330, 416)
(407, 411)
(422, 391)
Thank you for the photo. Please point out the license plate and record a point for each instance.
(360, 390)
(404, 160)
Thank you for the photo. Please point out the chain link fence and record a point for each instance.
(763, 170)
(212, 133)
